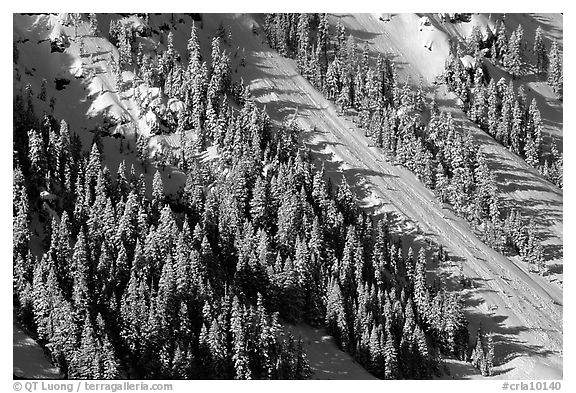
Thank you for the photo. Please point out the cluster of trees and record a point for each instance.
(124, 38)
(202, 88)
(511, 52)
(502, 112)
(334, 67)
(380, 309)
(118, 281)
(444, 160)
(522, 237)
(516, 235)
(454, 167)
(121, 277)
(507, 51)
(125, 287)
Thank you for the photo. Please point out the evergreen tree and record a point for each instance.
(336, 316)
(555, 71)
(157, 202)
(421, 295)
(493, 112)
(239, 354)
(86, 361)
(489, 355)
(390, 357)
(478, 356)
(540, 52)
(513, 57)
(303, 43)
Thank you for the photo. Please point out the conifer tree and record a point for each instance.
(555, 72)
(239, 354)
(540, 52)
(489, 355)
(86, 361)
(303, 43)
(478, 356)
(157, 202)
(323, 40)
(501, 41)
(336, 317)
(390, 357)
(421, 296)
(493, 112)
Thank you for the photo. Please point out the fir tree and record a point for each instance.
(555, 72)
(489, 355)
(540, 52)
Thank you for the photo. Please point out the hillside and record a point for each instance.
(522, 310)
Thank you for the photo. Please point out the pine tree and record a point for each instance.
(37, 156)
(110, 362)
(505, 122)
(555, 72)
(423, 364)
(63, 342)
(376, 363)
(80, 271)
(540, 52)
(489, 355)
(390, 357)
(478, 356)
(421, 295)
(493, 112)
(501, 41)
(517, 130)
(21, 225)
(474, 41)
(259, 205)
(134, 312)
(323, 40)
(193, 47)
(86, 361)
(513, 57)
(336, 316)
(158, 198)
(535, 130)
(303, 43)
(239, 354)
(340, 37)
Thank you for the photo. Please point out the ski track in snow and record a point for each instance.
(523, 310)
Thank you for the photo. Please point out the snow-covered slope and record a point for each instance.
(522, 309)
(91, 93)
(407, 43)
(326, 360)
(29, 359)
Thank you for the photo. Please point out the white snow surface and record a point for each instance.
(29, 360)
(326, 360)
